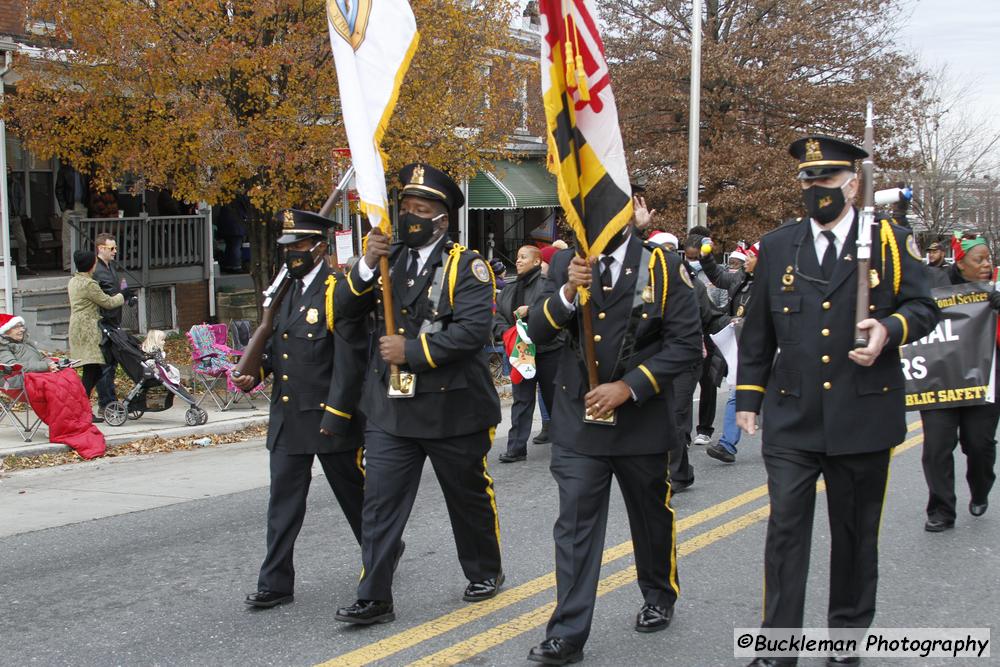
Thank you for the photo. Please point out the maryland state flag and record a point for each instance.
(585, 143)
(373, 43)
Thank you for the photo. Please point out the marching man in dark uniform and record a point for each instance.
(646, 331)
(829, 409)
(443, 406)
(309, 415)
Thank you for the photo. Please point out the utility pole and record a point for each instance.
(694, 115)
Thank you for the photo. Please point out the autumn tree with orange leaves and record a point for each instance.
(215, 98)
(771, 71)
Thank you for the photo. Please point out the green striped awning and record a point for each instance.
(513, 185)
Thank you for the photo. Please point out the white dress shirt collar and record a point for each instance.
(840, 231)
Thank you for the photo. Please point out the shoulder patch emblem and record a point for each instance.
(480, 270)
(685, 277)
(911, 247)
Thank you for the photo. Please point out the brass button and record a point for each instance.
(322, 405)
(596, 362)
(827, 385)
(597, 338)
(404, 311)
(284, 399)
(284, 336)
(885, 389)
(782, 392)
(826, 305)
(645, 316)
(309, 335)
(401, 331)
(442, 389)
(284, 377)
(786, 309)
(871, 308)
(825, 332)
(601, 316)
(434, 313)
(564, 387)
(826, 358)
(284, 355)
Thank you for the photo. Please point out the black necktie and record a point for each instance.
(607, 261)
(830, 256)
(411, 270)
(295, 295)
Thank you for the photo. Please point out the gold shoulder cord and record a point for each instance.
(331, 285)
(888, 238)
(658, 254)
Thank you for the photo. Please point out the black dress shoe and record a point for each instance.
(555, 651)
(268, 599)
(367, 612)
(769, 662)
(512, 458)
(477, 591)
(653, 618)
(677, 486)
(543, 435)
(978, 509)
(938, 525)
(843, 660)
(720, 453)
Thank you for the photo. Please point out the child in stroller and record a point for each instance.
(156, 381)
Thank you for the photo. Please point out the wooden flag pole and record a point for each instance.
(589, 353)
(388, 311)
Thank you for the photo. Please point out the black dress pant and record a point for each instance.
(974, 428)
(584, 492)
(709, 396)
(522, 412)
(291, 475)
(855, 489)
(681, 470)
(393, 466)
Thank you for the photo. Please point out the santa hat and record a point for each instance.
(663, 238)
(753, 250)
(740, 253)
(8, 322)
(548, 252)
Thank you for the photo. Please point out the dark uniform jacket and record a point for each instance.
(446, 343)
(305, 358)
(797, 334)
(667, 342)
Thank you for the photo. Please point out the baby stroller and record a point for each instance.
(156, 382)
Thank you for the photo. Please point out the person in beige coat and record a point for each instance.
(86, 299)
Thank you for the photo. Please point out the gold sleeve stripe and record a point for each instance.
(652, 380)
(337, 412)
(548, 315)
(750, 387)
(350, 284)
(427, 350)
(906, 328)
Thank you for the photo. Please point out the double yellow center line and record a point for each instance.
(523, 623)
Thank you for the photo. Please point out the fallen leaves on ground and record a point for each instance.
(142, 446)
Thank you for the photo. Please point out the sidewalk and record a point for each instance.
(166, 424)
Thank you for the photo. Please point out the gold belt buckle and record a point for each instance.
(601, 420)
(407, 386)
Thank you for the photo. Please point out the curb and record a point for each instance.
(119, 440)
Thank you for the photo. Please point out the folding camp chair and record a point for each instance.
(213, 362)
(14, 406)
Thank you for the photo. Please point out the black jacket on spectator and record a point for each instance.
(107, 277)
(523, 292)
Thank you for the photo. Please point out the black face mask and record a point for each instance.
(300, 262)
(416, 231)
(824, 205)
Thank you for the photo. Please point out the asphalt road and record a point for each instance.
(148, 561)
